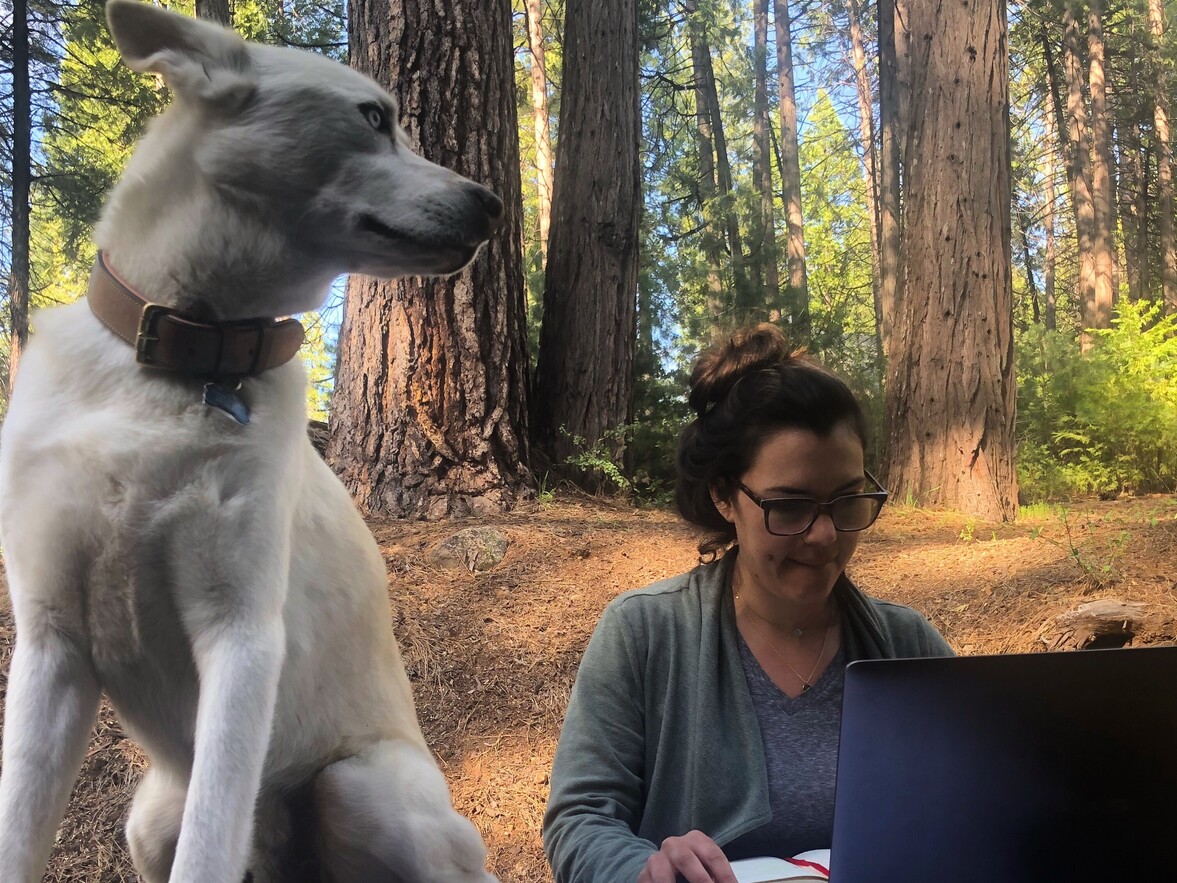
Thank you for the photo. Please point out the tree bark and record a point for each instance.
(429, 413)
(744, 301)
(950, 390)
(539, 105)
(215, 10)
(1101, 172)
(1131, 194)
(768, 276)
(1164, 151)
(798, 286)
(1079, 173)
(862, 84)
(1028, 263)
(584, 374)
(717, 308)
(18, 281)
(891, 131)
(1049, 256)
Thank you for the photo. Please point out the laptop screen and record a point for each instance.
(1008, 769)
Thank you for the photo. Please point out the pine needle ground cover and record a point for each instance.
(493, 655)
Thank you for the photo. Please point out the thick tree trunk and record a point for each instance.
(950, 390)
(1101, 172)
(866, 127)
(891, 132)
(1164, 151)
(18, 281)
(798, 285)
(1079, 173)
(215, 10)
(429, 413)
(584, 374)
(539, 106)
(768, 278)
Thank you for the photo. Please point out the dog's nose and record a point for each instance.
(491, 204)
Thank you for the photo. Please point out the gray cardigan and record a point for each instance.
(661, 737)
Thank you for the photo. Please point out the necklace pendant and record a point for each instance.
(805, 688)
(797, 633)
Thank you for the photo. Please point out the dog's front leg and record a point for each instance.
(239, 666)
(52, 701)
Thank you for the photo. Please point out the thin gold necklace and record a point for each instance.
(806, 683)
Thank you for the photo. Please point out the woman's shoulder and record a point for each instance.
(908, 630)
(666, 598)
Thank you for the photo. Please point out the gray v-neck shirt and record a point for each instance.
(800, 737)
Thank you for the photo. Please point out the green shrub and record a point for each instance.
(1102, 422)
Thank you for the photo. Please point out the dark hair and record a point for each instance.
(744, 389)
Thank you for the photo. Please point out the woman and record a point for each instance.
(703, 726)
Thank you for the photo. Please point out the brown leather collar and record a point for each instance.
(166, 339)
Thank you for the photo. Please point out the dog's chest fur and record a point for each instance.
(152, 478)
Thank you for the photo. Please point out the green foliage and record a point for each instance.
(601, 460)
(1097, 559)
(838, 260)
(1103, 422)
(318, 25)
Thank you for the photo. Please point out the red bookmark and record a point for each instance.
(800, 862)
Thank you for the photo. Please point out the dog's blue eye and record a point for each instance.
(376, 117)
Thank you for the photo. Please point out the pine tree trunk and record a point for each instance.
(1079, 173)
(768, 279)
(1049, 256)
(1130, 192)
(862, 84)
(798, 286)
(18, 281)
(539, 105)
(950, 390)
(1101, 172)
(1028, 264)
(717, 308)
(744, 301)
(584, 374)
(1164, 151)
(215, 10)
(891, 132)
(429, 413)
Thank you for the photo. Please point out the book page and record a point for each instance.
(811, 865)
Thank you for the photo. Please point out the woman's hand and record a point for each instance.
(694, 856)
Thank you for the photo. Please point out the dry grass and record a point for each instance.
(492, 656)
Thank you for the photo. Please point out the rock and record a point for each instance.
(476, 549)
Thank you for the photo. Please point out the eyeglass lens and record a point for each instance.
(848, 513)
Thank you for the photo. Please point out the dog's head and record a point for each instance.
(303, 149)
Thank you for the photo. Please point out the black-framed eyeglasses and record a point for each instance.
(789, 516)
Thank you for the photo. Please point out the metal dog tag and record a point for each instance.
(221, 398)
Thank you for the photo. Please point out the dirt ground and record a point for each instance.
(492, 656)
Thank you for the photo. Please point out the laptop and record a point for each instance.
(1035, 768)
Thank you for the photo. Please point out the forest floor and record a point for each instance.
(492, 655)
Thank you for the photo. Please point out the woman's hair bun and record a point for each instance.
(741, 352)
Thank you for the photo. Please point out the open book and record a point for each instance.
(812, 865)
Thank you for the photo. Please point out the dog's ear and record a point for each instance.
(195, 58)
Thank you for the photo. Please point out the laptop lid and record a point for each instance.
(1008, 769)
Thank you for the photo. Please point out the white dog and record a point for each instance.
(180, 545)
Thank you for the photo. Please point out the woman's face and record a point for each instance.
(803, 568)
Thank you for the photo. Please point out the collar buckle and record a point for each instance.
(147, 334)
